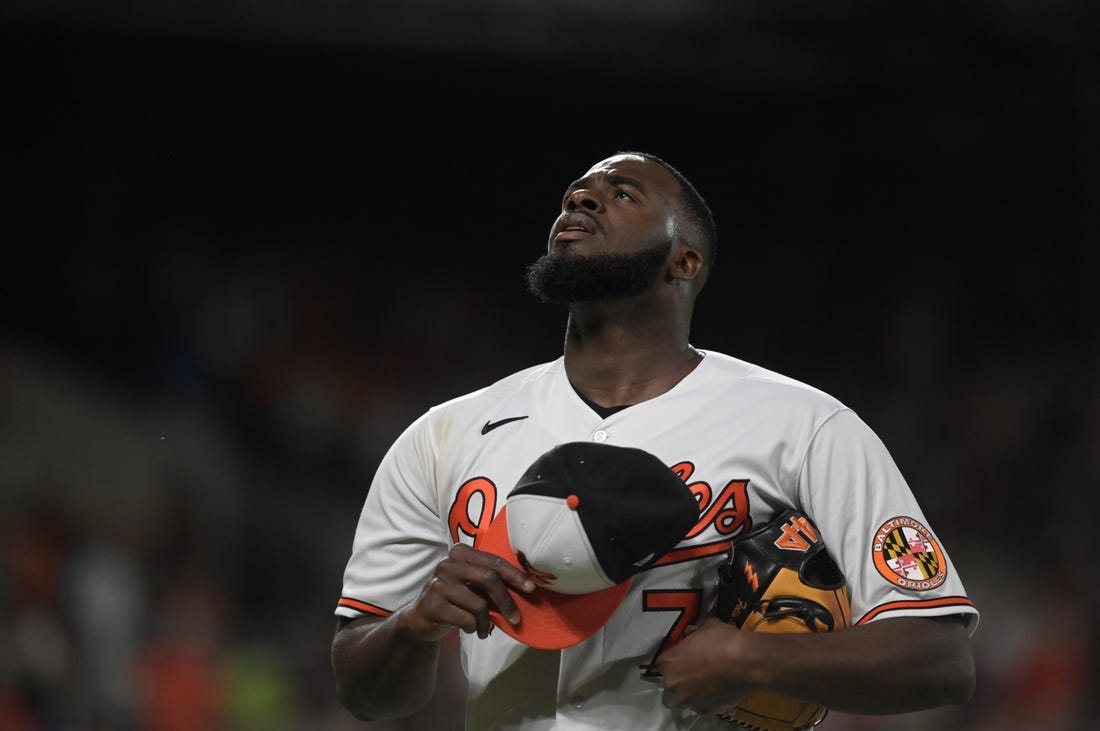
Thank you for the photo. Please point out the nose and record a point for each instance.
(583, 198)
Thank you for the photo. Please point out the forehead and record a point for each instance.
(646, 171)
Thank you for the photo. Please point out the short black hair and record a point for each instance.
(700, 217)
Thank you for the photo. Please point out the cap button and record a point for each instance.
(572, 501)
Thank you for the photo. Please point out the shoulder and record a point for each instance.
(460, 419)
(756, 383)
(514, 387)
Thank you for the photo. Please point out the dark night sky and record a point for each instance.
(965, 169)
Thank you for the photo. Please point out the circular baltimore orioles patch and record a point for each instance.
(908, 556)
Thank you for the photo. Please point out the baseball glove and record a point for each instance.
(780, 578)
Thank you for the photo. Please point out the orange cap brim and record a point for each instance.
(549, 620)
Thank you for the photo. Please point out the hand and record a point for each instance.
(460, 592)
(700, 671)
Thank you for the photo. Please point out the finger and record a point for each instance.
(471, 601)
(508, 573)
(475, 607)
(483, 623)
(476, 596)
(454, 596)
(459, 618)
(512, 576)
(493, 591)
(444, 603)
(484, 578)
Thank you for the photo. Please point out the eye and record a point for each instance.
(623, 193)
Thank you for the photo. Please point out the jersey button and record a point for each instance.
(600, 436)
(576, 701)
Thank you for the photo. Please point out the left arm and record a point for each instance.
(893, 665)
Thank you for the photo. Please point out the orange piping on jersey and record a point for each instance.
(950, 601)
(363, 607)
(690, 553)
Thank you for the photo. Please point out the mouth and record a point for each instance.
(573, 226)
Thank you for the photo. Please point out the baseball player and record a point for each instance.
(627, 256)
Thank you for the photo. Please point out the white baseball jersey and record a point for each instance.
(747, 441)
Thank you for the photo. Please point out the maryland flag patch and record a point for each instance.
(907, 555)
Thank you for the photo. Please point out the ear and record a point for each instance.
(687, 264)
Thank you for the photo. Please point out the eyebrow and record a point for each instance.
(613, 178)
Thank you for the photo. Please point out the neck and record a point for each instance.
(625, 352)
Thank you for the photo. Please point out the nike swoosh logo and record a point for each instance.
(490, 425)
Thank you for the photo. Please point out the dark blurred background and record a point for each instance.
(247, 243)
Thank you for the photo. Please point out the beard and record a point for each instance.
(564, 278)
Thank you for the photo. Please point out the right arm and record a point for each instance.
(386, 667)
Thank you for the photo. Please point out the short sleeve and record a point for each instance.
(400, 536)
(874, 527)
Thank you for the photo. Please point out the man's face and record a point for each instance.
(613, 236)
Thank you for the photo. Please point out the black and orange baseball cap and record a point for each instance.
(582, 521)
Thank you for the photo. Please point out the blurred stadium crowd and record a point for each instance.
(172, 542)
